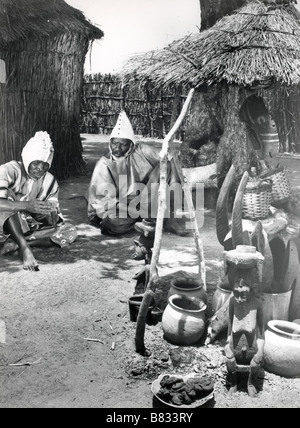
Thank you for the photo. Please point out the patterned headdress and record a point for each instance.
(123, 128)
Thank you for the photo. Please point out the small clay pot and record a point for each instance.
(183, 320)
(243, 256)
(282, 348)
(275, 306)
(219, 298)
(134, 303)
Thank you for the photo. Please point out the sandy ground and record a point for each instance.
(82, 292)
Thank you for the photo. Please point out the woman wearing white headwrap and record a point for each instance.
(29, 200)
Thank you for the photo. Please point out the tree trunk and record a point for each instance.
(205, 124)
(213, 10)
(214, 117)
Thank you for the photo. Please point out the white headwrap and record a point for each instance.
(39, 148)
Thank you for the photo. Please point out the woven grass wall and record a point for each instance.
(149, 109)
(284, 105)
(43, 93)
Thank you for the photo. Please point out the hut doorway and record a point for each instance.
(261, 127)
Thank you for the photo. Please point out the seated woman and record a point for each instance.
(29, 207)
(130, 169)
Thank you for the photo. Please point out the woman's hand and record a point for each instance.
(39, 207)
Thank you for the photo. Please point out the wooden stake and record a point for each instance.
(153, 277)
(189, 199)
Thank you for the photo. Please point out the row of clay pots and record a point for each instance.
(282, 337)
(275, 305)
(183, 323)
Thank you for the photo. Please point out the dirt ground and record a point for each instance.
(82, 292)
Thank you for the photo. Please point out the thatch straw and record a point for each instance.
(255, 43)
(20, 19)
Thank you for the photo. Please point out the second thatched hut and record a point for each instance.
(43, 45)
(253, 51)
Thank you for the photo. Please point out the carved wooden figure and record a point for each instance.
(245, 337)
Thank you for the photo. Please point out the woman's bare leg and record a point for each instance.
(11, 246)
(13, 227)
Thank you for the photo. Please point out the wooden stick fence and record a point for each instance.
(149, 109)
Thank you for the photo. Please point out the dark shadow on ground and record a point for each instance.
(109, 251)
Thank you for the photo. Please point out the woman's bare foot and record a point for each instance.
(29, 262)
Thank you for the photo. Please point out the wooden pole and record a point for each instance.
(193, 220)
(153, 275)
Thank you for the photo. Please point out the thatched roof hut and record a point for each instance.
(257, 42)
(257, 47)
(43, 45)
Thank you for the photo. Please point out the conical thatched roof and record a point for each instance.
(257, 42)
(20, 19)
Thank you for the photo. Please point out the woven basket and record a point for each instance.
(257, 200)
(281, 190)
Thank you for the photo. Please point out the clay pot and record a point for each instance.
(134, 303)
(244, 256)
(219, 298)
(183, 320)
(282, 348)
(294, 310)
(188, 287)
(275, 306)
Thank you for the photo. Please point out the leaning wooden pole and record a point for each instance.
(192, 218)
(153, 275)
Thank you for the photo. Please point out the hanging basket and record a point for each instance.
(281, 190)
(257, 199)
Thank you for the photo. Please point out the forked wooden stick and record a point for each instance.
(153, 275)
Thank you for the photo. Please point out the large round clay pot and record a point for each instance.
(188, 287)
(183, 320)
(282, 348)
(220, 296)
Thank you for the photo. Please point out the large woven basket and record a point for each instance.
(281, 190)
(257, 199)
